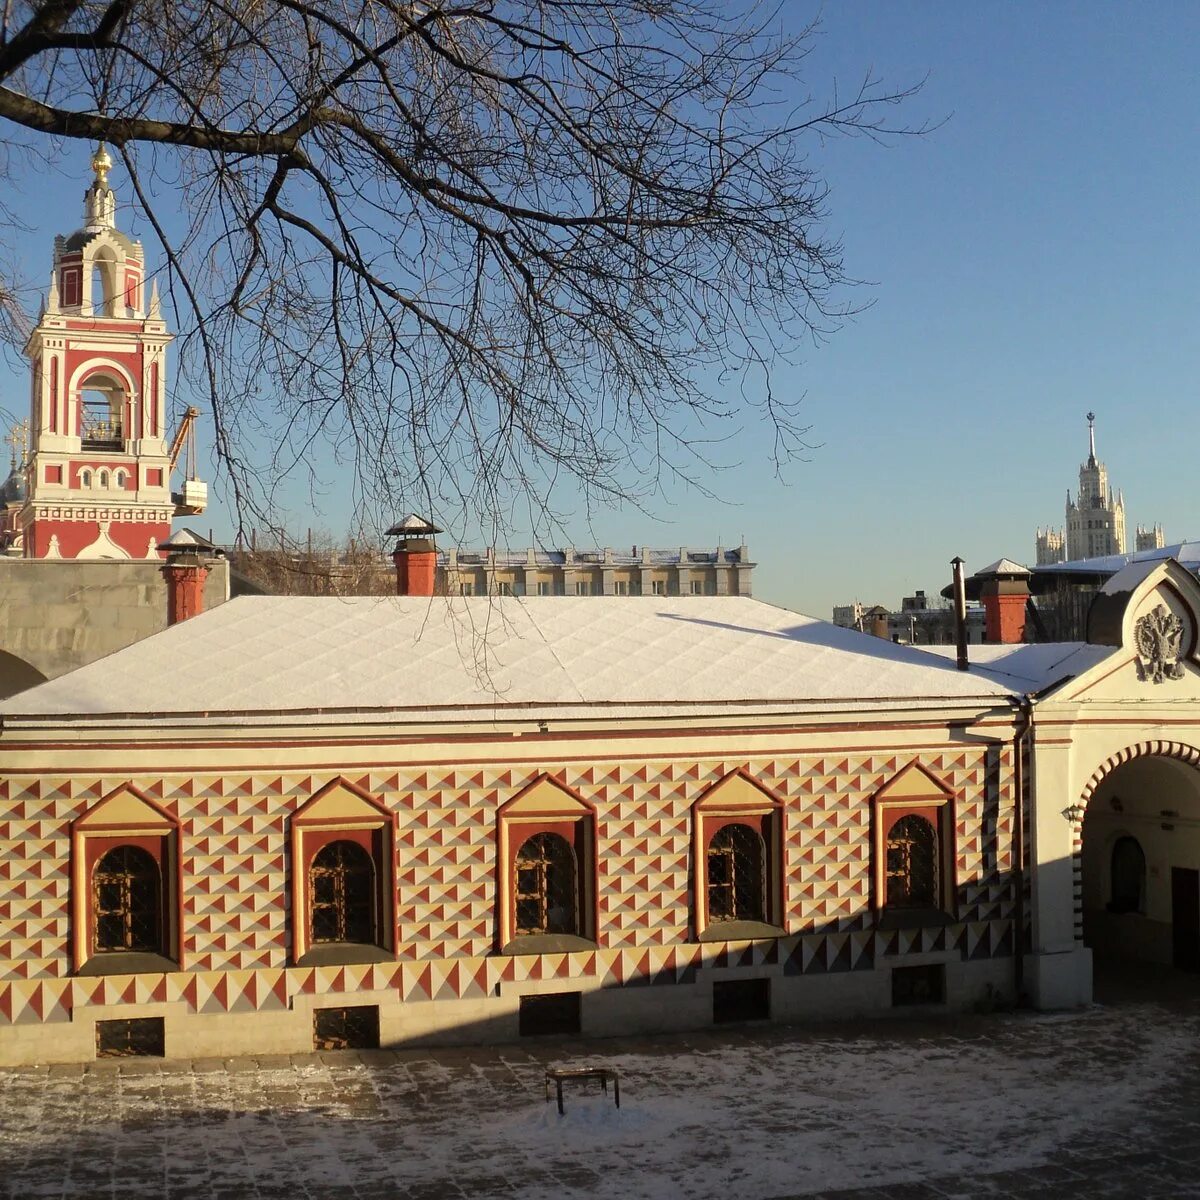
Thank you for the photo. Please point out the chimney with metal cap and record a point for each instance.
(415, 556)
(189, 559)
(960, 614)
(1004, 590)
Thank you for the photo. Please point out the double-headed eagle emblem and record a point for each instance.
(1157, 637)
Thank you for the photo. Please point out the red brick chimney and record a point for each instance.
(189, 560)
(415, 556)
(1004, 591)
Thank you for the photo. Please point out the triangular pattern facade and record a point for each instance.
(236, 910)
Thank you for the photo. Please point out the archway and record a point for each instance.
(1139, 883)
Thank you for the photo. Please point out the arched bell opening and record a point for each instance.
(1139, 863)
(102, 405)
(107, 300)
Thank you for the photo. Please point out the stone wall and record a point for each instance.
(59, 615)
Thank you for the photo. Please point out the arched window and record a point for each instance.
(341, 883)
(102, 410)
(104, 285)
(736, 875)
(912, 863)
(127, 901)
(119, 479)
(85, 479)
(546, 892)
(104, 479)
(1128, 876)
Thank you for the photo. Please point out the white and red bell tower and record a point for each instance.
(99, 466)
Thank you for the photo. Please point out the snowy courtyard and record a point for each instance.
(1094, 1104)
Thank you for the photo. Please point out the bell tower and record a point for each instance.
(99, 465)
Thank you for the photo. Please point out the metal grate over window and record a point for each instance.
(126, 901)
(545, 886)
(129, 1038)
(352, 1028)
(736, 883)
(341, 896)
(912, 863)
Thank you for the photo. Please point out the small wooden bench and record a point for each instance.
(604, 1074)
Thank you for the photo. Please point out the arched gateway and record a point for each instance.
(1139, 858)
(1114, 767)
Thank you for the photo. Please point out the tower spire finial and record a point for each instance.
(100, 204)
(102, 163)
(1091, 418)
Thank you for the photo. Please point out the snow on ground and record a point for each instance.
(757, 1113)
(818, 1116)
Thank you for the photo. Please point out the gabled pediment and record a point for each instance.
(914, 782)
(1150, 614)
(546, 797)
(341, 800)
(124, 808)
(737, 792)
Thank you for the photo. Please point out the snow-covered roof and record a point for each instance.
(1028, 668)
(1003, 566)
(1187, 554)
(288, 654)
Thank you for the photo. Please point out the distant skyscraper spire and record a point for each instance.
(1091, 418)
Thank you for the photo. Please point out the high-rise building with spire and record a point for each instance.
(1095, 520)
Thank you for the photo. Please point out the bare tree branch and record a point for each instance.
(468, 249)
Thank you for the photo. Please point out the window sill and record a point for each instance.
(912, 918)
(344, 954)
(741, 931)
(128, 962)
(548, 943)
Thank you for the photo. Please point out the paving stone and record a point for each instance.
(374, 1125)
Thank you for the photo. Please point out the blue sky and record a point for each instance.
(1033, 257)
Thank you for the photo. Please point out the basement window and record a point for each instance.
(741, 1000)
(132, 1038)
(552, 1013)
(353, 1028)
(918, 985)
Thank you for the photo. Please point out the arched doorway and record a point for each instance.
(1139, 883)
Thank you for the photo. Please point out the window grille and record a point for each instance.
(342, 894)
(126, 901)
(912, 863)
(353, 1028)
(545, 886)
(129, 1038)
(736, 883)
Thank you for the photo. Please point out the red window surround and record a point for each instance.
(546, 806)
(343, 812)
(738, 799)
(124, 817)
(914, 791)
